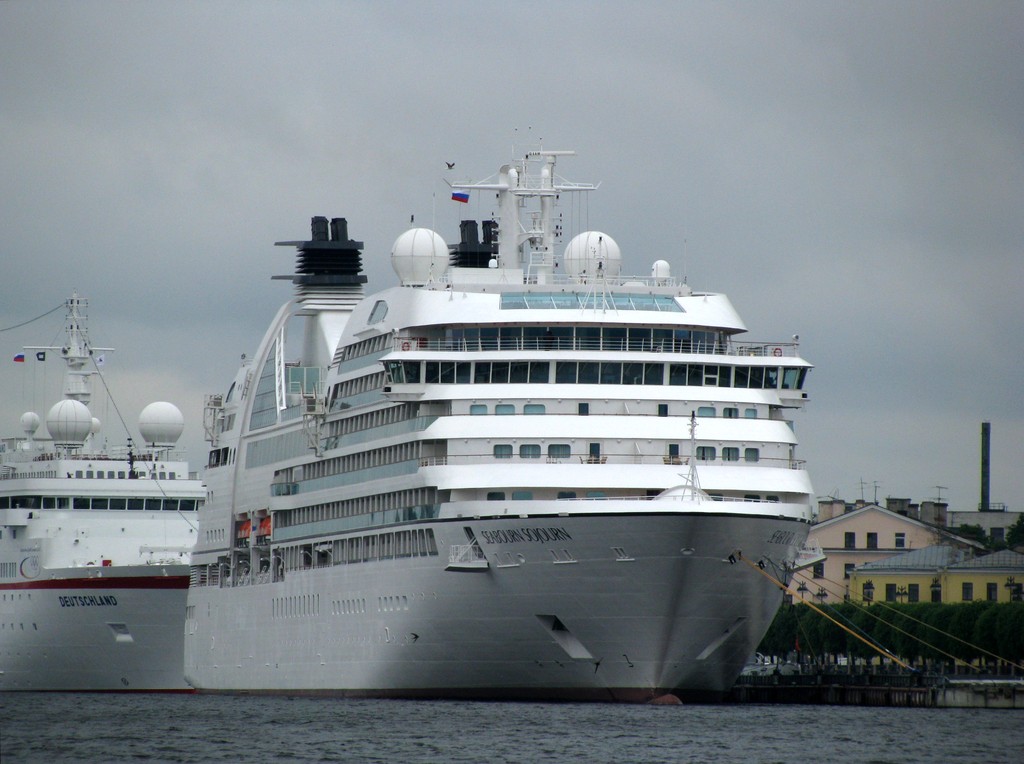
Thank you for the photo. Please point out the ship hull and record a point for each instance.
(95, 630)
(604, 606)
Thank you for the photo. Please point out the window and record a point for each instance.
(730, 454)
(504, 409)
(900, 541)
(991, 592)
(731, 413)
(477, 409)
(913, 593)
(967, 591)
(849, 540)
(529, 451)
(848, 569)
(522, 495)
(819, 570)
(662, 409)
(750, 413)
(559, 451)
(495, 496)
(890, 592)
(872, 541)
(566, 494)
(503, 451)
(706, 453)
(583, 409)
(534, 408)
(705, 411)
(751, 454)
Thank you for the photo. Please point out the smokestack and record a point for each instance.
(986, 442)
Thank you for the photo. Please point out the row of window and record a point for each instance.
(912, 592)
(564, 451)
(589, 301)
(583, 409)
(415, 503)
(586, 372)
(85, 502)
(871, 540)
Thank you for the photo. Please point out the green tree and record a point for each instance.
(1015, 533)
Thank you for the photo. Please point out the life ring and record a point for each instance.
(406, 345)
(777, 352)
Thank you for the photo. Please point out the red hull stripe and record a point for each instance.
(132, 582)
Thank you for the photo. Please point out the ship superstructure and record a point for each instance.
(514, 475)
(95, 541)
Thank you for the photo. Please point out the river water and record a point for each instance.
(51, 728)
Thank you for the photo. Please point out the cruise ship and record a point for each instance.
(518, 474)
(94, 539)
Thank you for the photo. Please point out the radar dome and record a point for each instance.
(69, 423)
(95, 428)
(591, 252)
(661, 270)
(161, 424)
(30, 423)
(419, 256)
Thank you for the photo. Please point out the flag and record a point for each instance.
(41, 355)
(460, 196)
(20, 358)
(100, 360)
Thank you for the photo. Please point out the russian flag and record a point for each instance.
(460, 196)
(20, 358)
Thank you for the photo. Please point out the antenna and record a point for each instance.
(939, 489)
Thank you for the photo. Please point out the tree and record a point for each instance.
(1015, 533)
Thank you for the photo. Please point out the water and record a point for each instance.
(54, 728)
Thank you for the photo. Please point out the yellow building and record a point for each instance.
(869, 533)
(940, 574)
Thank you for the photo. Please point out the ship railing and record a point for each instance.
(463, 553)
(607, 459)
(686, 347)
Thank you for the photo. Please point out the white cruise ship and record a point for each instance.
(94, 541)
(516, 475)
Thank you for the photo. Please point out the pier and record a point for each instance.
(899, 690)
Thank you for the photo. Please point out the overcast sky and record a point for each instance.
(849, 172)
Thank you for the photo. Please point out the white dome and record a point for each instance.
(419, 256)
(591, 251)
(69, 423)
(30, 423)
(95, 428)
(661, 270)
(161, 424)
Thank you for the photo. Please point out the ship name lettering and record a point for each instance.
(105, 600)
(781, 537)
(514, 535)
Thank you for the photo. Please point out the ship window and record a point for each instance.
(731, 413)
(771, 377)
(120, 474)
(772, 497)
(495, 496)
(503, 451)
(380, 310)
(654, 373)
(589, 373)
(88, 473)
(632, 373)
(756, 377)
(101, 503)
(559, 451)
(741, 376)
(117, 503)
(750, 413)
(583, 409)
(504, 409)
(706, 411)
(135, 504)
(477, 409)
(611, 373)
(662, 409)
(706, 453)
(80, 503)
(566, 494)
(170, 505)
(519, 372)
(539, 372)
(499, 373)
(481, 372)
(730, 454)
(752, 497)
(187, 505)
(529, 451)
(751, 454)
(595, 494)
(565, 372)
(153, 504)
(522, 495)
(792, 379)
(534, 408)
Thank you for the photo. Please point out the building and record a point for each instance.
(996, 521)
(863, 534)
(941, 573)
